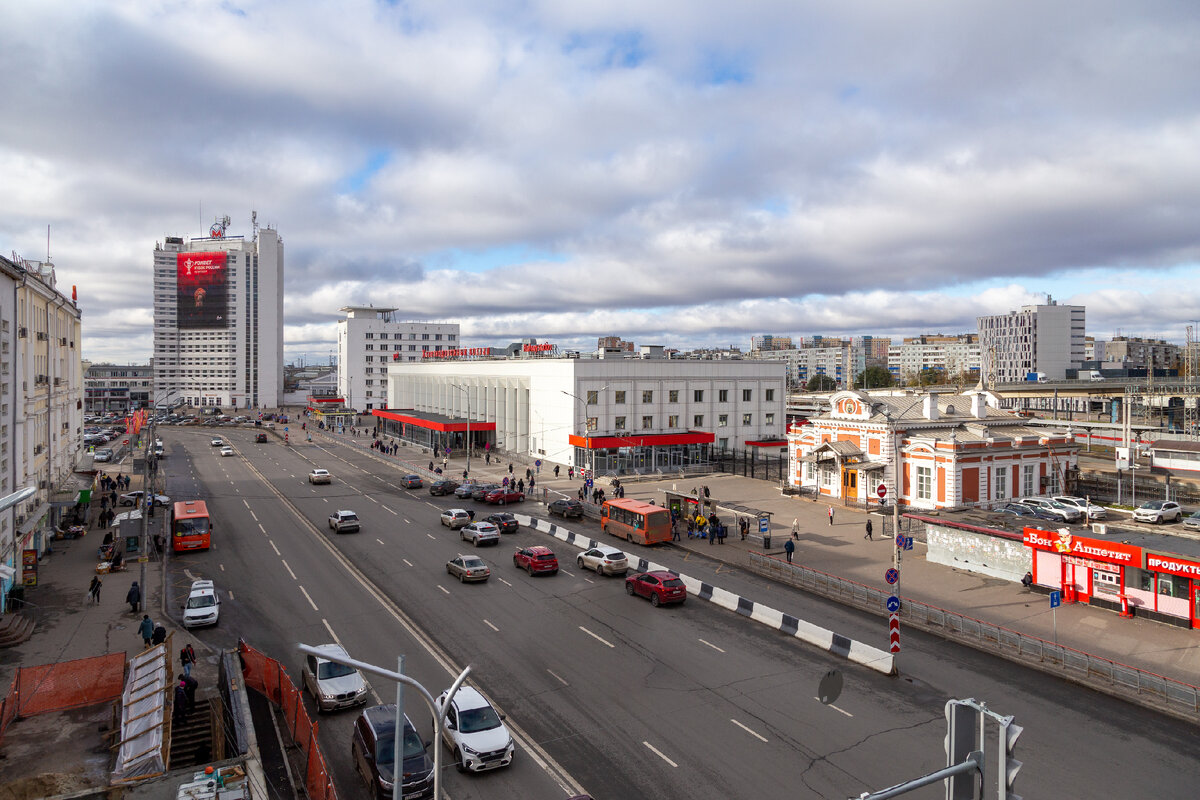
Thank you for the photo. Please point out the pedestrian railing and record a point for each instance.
(1096, 672)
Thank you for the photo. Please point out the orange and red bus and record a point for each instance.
(644, 523)
(191, 528)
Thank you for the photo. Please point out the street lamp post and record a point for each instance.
(587, 431)
(403, 680)
(465, 391)
(149, 472)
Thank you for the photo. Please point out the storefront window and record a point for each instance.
(1172, 586)
(924, 483)
(1140, 579)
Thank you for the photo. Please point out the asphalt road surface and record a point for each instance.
(606, 693)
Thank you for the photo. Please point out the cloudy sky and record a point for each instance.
(681, 173)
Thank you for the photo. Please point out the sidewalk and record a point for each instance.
(841, 549)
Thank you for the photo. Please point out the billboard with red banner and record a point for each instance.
(203, 299)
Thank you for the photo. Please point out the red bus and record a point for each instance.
(191, 528)
(644, 523)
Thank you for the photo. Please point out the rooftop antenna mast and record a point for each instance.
(254, 224)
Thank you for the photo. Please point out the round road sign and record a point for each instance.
(892, 575)
(893, 604)
(881, 491)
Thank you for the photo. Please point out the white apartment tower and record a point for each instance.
(370, 338)
(1043, 338)
(218, 320)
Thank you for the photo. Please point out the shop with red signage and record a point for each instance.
(436, 431)
(1116, 575)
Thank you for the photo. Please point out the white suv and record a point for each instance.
(474, 732)
(1064, 512)
(1092, 510)
(333, 684)
(343, 521)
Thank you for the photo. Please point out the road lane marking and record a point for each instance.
(431, 505)
(247, 503)
(444, 589)
(835, 708)
(406, 561)
(289, 569)
(660, 754)
(560, 680)
(325, 622)
(406, 522)
(261, 528)
(431, 536)
(373, 500)
(749, 731)
(506, 583)
(385, 508)
(564, 572)
(230, 593)
(254, 515)
(381, 542)
(276, 549)
(601, 641)
(710, 644)
(222, 566)
(490, 625)
(310, 600)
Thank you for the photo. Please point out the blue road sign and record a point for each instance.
(1055, 599)
(908, 543)
(899, 540)
(537, 463)
(893, 604)
(892, 575)
(764, 525)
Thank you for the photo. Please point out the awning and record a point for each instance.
(644, 440)
(31, 522)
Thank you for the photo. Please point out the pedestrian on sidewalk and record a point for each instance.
(94, 589)
(133, 598)
(1027, 581)
(570, 473)
(831, 515)
(556, 471)
(159, 636)
(187, 657)
(189, 687)
(510, 469)
(179, 708)
(674, 528)
(532, 482)
(487, 458)
(521, 485)
(795, 528)
(146, 629)
(789, 547)
(868, 536)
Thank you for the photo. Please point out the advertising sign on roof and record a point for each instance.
(203, 294)
(1066, 543)
(1173, 565)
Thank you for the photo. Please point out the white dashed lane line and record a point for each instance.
(289, 569)
(444, 589)
(490, 625)
(379, 540)
(597, 638)
(564, 572)
(710, 644)
(406, 561)
(431, 536)
(309, 599)
(659, 753)
(835, 708)
(273, 547)
(560, 680)
(385, 508)
(261, 528)
(506, 583)
(747, 730)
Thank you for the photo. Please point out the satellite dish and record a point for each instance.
(830, 688)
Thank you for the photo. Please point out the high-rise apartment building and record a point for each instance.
(370, 338)
(218, 320)
(614, 343)
(769, 341)
(1039, 338)
(950, 355)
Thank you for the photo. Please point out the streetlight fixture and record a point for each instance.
(587, 435)
(465, 391)
(398, 736)
(148, 475)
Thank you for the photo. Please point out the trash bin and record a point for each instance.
(766, 541)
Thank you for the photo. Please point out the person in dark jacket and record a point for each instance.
(146, 629)
(179, 710)
(133, 598)
(159, 636)
(789, 547)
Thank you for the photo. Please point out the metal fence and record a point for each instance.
(1102, 486)
(1096, 672)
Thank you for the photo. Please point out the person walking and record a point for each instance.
(179, 709)
(521, 485)
(556, 471)
(674, 528)
(789, 547)
(795, 528)
(146, 629)
(187, 657)
(570, 473)
(831, 515)
(190, 685)
(133, 598)
(94, 589)
(868, 536)
(532, 482)
(159, 636)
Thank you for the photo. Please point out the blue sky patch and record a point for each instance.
(355, 181)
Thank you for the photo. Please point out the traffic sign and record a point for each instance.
(908, 542)
(893, 604)
(894, 633)
(764, 524)
(1055, 599)
(881, 491)
(892, 575)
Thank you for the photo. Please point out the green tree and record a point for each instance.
(932, 377)
(821, 383)
(874, 377)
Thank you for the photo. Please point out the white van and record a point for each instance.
(1095, 375)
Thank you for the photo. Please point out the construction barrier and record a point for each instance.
(266, 675)
(58, 687)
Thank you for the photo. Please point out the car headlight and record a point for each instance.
(470, 750)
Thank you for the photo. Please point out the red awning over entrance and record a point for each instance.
(441, 424)
(648, 440)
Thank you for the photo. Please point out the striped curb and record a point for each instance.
(857, 652)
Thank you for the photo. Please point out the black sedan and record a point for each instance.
(507, 523)
(442, 487)
(566, 508)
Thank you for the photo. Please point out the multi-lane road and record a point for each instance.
(605, 693)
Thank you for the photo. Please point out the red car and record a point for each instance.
(660, 586)
(535, 559)
(503, 496)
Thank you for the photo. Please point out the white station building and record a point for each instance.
(369, 339)
(218, 320)
(615, 414)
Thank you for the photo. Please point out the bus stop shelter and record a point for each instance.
(698, 500)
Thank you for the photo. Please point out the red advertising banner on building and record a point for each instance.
(203, 290)
(1066, 543)
(1174, 565)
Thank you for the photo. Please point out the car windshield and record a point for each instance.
(191, 527)
(413, 746)
(472, 562)
(672, 582)
(332, 669)
(474, 720)
(201, 601)
(1153, 505)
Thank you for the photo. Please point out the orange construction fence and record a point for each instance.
(266, 675)
(58, 687)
